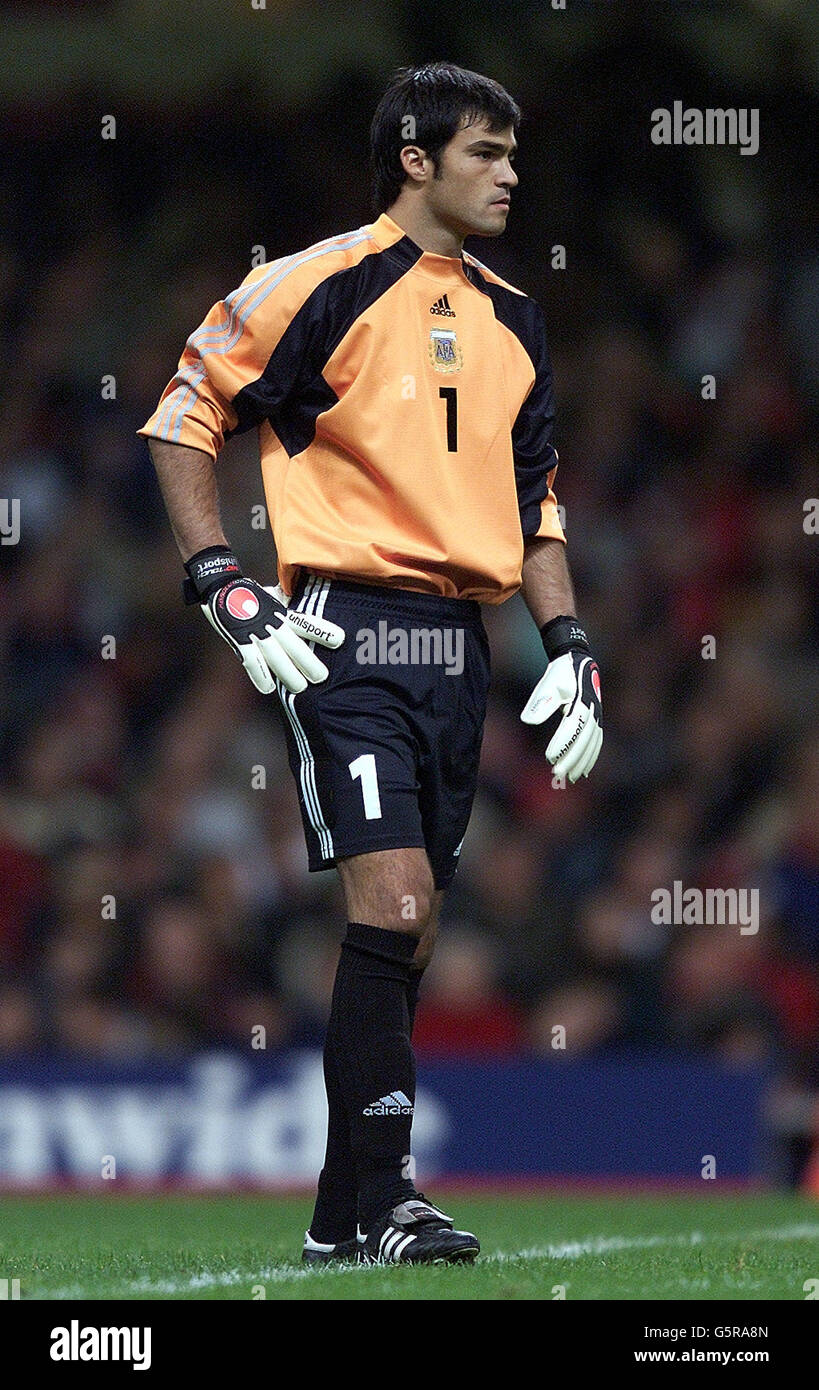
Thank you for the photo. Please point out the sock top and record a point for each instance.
(380, 941)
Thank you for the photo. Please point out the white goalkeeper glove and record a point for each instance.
(255, 622)
(567, 700)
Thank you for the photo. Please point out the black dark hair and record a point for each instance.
(439, 96)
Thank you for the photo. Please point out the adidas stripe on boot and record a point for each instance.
(416, 1232)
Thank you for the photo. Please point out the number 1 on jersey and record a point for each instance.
(450, 395)
(364, 767)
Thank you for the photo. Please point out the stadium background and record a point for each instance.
(238, 128)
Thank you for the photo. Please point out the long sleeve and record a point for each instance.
(534, 454)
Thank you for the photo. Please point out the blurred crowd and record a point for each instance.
(155, 894)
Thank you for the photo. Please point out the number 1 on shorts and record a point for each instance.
(364, 767)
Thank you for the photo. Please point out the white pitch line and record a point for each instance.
(569, 1250)
(223, 1279)
(605, 1245)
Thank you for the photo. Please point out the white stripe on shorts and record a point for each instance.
(312, 602)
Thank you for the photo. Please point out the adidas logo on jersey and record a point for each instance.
(441, 306)
(396, 1103)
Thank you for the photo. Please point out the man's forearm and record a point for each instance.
(187, 479)
(547, 585)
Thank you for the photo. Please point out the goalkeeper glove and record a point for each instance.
(567, 700)
(253, 619)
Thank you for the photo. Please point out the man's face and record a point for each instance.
(475, 178)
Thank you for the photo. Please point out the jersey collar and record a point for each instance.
(391, 238)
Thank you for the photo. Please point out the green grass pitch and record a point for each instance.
(191, 1247)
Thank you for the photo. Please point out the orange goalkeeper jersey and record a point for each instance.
(404, 406)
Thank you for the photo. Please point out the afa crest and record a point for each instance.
(444, 353)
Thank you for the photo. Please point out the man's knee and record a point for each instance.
(416, 909)
(409, 911)
(394, 890)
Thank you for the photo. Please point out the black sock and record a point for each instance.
(413, 986)
(335, 1214)
(336, 1211)
(369, 1033)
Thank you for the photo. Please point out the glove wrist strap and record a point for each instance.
(562, 635)
(208, 570)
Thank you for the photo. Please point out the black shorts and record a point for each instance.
(385, 752)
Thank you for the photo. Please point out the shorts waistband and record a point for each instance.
(408, 603)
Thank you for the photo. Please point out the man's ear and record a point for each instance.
(413, 160)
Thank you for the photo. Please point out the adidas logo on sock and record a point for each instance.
(441, 306)
(396, 1103)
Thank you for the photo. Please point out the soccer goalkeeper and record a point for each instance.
(402, 394)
